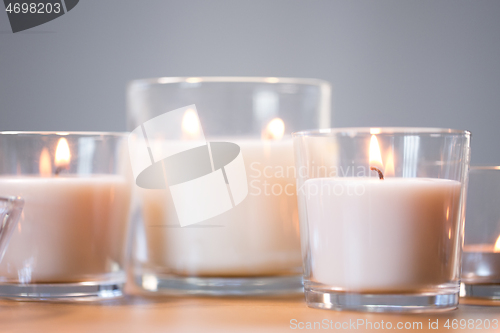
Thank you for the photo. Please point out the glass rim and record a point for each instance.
(66, 133)
(231, 79)
(351, 131)
(484, 167)
(10, 199)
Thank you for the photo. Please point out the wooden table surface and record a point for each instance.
(209, 314)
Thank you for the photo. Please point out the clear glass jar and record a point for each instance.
(70, 240)
(381, 214)
(481, 253)
(253, 247)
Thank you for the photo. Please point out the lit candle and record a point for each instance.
(382, 234)
(481, 263)
(72, 227)
(259, 236)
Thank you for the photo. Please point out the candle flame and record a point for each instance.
(191, 123)
(375, 156)
(496, 249)
(63, 155)
(389, 164)
(274, 130)
(45, 165)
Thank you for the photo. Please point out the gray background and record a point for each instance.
(391, 63)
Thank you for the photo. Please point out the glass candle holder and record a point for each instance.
(253, 247)
(69, 243)
(381, 217)
(481, 252)
(10, 211)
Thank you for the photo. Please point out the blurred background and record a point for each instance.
(432, 63)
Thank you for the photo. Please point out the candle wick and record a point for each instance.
(58, 170)
(380, 174)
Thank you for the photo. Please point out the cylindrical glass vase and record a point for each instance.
(381, 213)
(252, 247)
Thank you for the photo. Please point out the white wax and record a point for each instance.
(392, 235)
(72, 229)
(260, 236)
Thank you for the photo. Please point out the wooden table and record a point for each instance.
(207, 314)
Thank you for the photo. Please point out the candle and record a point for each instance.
(372, 235)
(257, 237)
(481, 263)
(72, 227)
(382, 234)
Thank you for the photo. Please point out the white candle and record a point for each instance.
(481, 264)
(71, 229)
(372, 235)
(260, 236)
